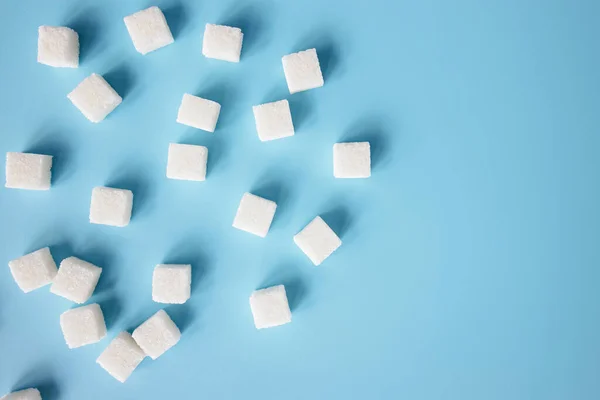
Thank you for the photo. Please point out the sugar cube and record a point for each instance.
(28, 171)
(27, 394)
(33, 270)
(95, 98)
(352, 160)
(317, 240)
(273, 120)
(83, 325)
(58, 46)
(254, 215)
(171, 283)
(198, 113)
(111, 206)
(121, 357)
(302, 71)
(76, 280)
(270, 307)
(222, 42)
(187, 162)
(148, 29)
(157, 334)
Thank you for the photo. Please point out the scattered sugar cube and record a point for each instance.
(198, 113)
(352, 160)
(273, 120)
(302, 71)
(270, 307)
(317, 240)
(157, 335)
(222, 42)
(27, 394)
(28, 171)
(95, 98)
(83, 325)
(149, 30)
(33, 270)
(171, 283)
(121, 357)
(187, 162)
(111, 206)
(58, 46)
(255, 215)
(76, 280)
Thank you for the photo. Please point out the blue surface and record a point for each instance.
(470, 263)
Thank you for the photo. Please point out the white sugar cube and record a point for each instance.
(149, 30)
(83, 325)
(28, 171)
(302, 71)
(95, 98)
(270, 307)
(317, 240)
(171, 283)
(273, 120)
(198, 113)
(352, 160)
(157, 334)
(58, 46)
(27, 394)
(76, 280)
(121, 357)
(111, 206)
(33, 270)
(187, 162)
(222, 42)
(254, 215)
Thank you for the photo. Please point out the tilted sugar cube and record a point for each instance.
(27, 394)
(111, 206)
(83, 325)
(157, 334)
(76, 280)
(33, 270)
(317, 240)
(302, 71)
(121, 357)
(198, 113)
(95, 98)
(28, 171)
(254, 215)
(222, 42)
(171, 283)
(352, 160)
(270, 307)
(58, 46)
(148, 29)
(187, 162)
(273, 120)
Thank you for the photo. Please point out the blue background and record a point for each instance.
(470, 261)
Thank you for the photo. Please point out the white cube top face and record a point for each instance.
(157, 335)
(111, 206)
(302, 71)
(254, 215)
(270, 307)
(149, 30)
(76, 280)
(95, 98)
(28, 171)
(187, 162)
(34, 270)
(222, 42)
(352, 160)
(273, 120)
(121, 357)
(317, 240)
(58, 46)
(172, 283)
(198, 113)
(83, 325)
(27, 394)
